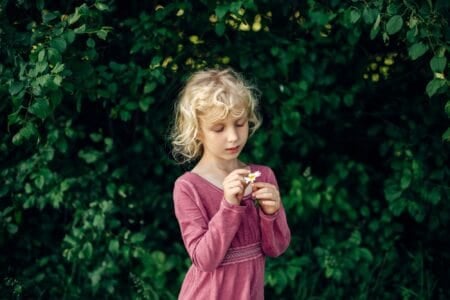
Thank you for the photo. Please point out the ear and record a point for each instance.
(199, 136)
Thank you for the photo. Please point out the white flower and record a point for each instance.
(251, 177)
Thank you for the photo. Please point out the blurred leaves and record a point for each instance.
(360, 152)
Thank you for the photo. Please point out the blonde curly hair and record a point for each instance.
(218, 92)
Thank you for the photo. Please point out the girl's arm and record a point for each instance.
(275, 232)
(206, 241)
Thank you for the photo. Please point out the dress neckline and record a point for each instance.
(217, 187)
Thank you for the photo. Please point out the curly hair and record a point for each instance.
(222, 92)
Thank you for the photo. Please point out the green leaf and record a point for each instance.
(438, 64)
(355, 15)
(411, 35)
(73, 18)
(16, 87)
(220, 28)
(149, 87)
(4, 189)
(397, 207)
(137, 238)
(96, 137)
(101, 6)
(394, 24)
(80, 29)
(59, 67)
(99, 222)
(392, 192)
(39, 181)
(416, 211)
(111, 189)
(102, 34)
(329, 272)
(417, 50)
(221, 10)
(434, 85)
(54, 56)
(291, 122)
(25, 133)
(48, 16)
(377, 22)
(434, 196)
(366, 254)
(41, 55)
(446, 135)
(392, 8)
(57, 79)
(59, 44)
(355, 238)
(40, 4)
(69, 36)
(41, 66)
(369, 15)
(113, 246)
(447, 108)
(12, 228)
(89, 156)
(40, 108)
(14, 118)
(406, 179)
(348, 100)
(145, 103)
(374, 32)
(90, 43)
(86, 251)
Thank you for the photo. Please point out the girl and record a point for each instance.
(228, 223)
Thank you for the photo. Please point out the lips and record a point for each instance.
(233, 149)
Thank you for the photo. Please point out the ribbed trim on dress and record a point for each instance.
(240, 254)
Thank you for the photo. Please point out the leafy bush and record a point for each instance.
(355, 103)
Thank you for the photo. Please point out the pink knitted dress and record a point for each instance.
(226, 243)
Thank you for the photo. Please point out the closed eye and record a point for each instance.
(217, 129)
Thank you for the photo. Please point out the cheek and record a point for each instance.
(244, 131)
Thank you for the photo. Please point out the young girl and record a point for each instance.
(228, 223)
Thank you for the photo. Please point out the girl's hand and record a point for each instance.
(234, 186)
(267, 196)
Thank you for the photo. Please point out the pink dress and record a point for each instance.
(226, 243)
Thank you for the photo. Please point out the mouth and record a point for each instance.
(233, 149)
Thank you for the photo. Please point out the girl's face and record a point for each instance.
(223, 139)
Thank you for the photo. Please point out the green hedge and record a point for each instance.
(355, 103)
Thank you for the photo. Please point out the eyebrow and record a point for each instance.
(221, 123)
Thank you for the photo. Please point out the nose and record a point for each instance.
(232, 135)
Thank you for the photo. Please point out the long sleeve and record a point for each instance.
(275, 233)
(206, 241)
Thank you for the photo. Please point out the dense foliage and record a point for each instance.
(355, 102)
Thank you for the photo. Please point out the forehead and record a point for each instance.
(217, 115)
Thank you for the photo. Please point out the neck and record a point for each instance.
(224, 167)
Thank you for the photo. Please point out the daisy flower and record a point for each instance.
(251, 177)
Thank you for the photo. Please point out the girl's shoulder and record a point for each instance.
(192, 181)
(188, 178)
(267, 173)
(256, 167)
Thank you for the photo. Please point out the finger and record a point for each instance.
(263, 190)
(238, 182)
(260, 185)
(235, 186)
(265, 196)
(236, 175)
(268, 202)
(234, 192)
